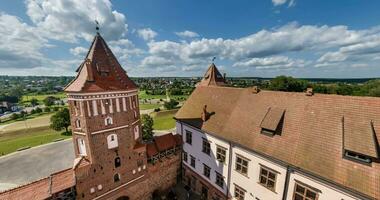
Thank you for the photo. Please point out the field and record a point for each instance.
(32, 121)
(149, 106)
(164, 120)
(13, 140)
(41, 97)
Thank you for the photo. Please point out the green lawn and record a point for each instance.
(143, 95)
(149, 106)
(164, 120)
(41, 97)
(13, 140)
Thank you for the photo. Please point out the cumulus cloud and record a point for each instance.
(187, 34)
(20, 44)
(281, 2)
(71, 20)
(78, 51)
(276, 62)
(147, 34)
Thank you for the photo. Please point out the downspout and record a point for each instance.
(229, 169)
(288, 171)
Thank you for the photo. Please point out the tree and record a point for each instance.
(60, 120)
(147, 127)
(34, 102)
(170, 104)
(287, 83)
(47, 109)
(48, 101)
(38, 110)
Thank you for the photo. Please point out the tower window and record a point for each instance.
(136, 131)
(81, 146)
(77, 123)
(116, 178)
(112, 141)
(108, 121)
(117, 162)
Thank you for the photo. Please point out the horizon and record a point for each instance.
(264, 39)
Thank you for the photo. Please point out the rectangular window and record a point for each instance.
(268, 178)
(192, 161)
(239, 193)
(219, 180)
(303, 192)
(189, 137)
(206, 147)
(241, 165)
(221, 154)
(206, 171)
(185, 156)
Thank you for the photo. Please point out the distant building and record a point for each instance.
(247, 144)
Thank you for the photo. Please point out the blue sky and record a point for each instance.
(301, 38)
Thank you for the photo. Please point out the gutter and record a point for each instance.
(285, 193)
(229, 169)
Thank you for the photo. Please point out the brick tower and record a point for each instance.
(104, 111)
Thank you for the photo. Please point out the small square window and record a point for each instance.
(206, 171)
(192, 161)
(221, 154)
(206, 147)
(303, 192)
(219, 180)
(241, 165)
(268, 178)
(239, 193)
(189, 137)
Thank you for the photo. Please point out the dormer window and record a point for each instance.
(357, 157)
(108, 121)
(272, 122)
(359, 140)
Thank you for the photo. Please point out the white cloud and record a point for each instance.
(20, 44)
(71, 20)
(281, 2)
(147, 34)
(188, 34)
(276, 62)
(278, 2)
(78, 51)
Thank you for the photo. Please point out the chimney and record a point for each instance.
(255, 90)
(204, 114)
(309, 92)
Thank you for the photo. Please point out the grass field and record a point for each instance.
(149, 106)
(144, 95)
(13, 140)
(41, 97)
(33, 121)
(164, 120)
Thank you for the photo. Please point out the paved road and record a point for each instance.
(29, 165)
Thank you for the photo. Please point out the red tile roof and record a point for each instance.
(312, 124)
(100, 71)
(42, 189)
(212, 77)
(165, 142)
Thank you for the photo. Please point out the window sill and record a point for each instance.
(272, 190)
(246, 175)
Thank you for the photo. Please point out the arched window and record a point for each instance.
(112, 141)
(77, 123)
(81, 146)
(136, 131)
(108, 121)
(116, 177)
(117, 162)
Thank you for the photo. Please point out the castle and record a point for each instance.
(230, 143)
(111, 161)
